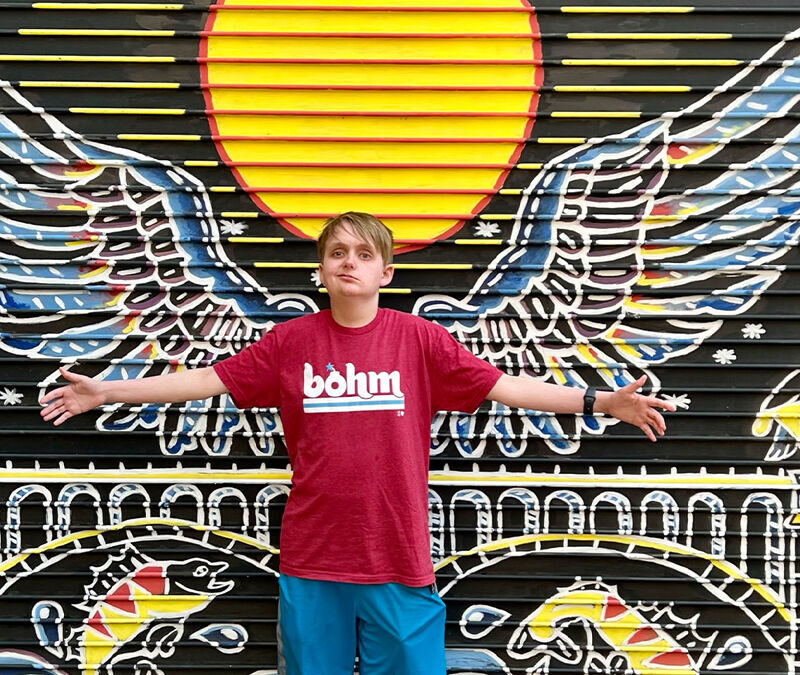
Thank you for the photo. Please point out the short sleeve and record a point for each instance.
(460, 381)
(253, 375)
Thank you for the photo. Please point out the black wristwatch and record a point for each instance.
(589, 397)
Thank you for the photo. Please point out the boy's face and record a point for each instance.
(351, 267)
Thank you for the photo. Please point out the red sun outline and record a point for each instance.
(536, 50)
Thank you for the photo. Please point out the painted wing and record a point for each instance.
(135, 274)
(572, 297)
(779, 418)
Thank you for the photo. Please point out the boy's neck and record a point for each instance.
(354, 315)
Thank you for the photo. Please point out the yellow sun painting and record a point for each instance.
(414, 112)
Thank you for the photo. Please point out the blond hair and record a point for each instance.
(364, 226)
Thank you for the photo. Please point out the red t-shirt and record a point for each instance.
(357, 405)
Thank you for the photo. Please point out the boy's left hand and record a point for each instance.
(640, 411)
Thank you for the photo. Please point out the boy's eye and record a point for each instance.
(366, 256)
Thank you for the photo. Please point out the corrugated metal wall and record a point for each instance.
(582, 194)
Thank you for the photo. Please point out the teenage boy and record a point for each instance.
(357, 387)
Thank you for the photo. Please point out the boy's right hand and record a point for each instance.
(81, 394)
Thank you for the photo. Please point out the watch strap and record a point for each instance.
(589, 397)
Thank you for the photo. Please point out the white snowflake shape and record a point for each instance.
(724, 356)
(487, 229)
(232, 227)
(315, 278)
(10, 396)
(753, 331)
(678, 400)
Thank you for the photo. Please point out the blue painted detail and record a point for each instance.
(47, 617)
(25, 663)
(226, 638)
(470, 660)
(503, 433)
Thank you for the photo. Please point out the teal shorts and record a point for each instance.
(399, 630)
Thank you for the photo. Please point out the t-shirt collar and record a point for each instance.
(360, 330)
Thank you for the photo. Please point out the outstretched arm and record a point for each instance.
(624, 404)
(83, 393)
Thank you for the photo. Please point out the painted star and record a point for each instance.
(753, 331)
(232, 227)
(330, 368)
(724, 356)
(10, 396)
(486, 229)
(678, 400)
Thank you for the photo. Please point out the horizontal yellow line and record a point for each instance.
(562, 479)
(100, 85)
(255, 240)
(435, 477)
(222, 188)
(129, 111)
(398, 266)
(89, 32)
(497, 216)
(511, 191)
(621, 88)
(554, 139)
(203, 162)
(651, 62)
(232, 214)
(479, 242)
(649, 36)
(582, 9)
(287, 265)
(71, 207)
(164, 475)
(382, 291)
(86, 59)
(588, 114)
(659, 219)
(159, 137)
(104, 5)
(530, 165)
(433, 266)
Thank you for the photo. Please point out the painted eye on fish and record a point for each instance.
(734, 653)
(479, 620)
(200, 576)
(226, 638)
(47, 618)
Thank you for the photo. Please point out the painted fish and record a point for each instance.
(154, 590)
(648, 647)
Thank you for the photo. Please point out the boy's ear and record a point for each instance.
(388, 273)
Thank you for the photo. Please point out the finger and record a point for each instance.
(51, 396)
(51, 411)
(64, 417)
(655, 420)
(69, 375)
(659, 403)
(635, 385)
(648, 432)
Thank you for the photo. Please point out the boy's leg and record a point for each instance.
(316, 627)
(400, 630)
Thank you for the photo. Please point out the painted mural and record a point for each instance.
(582, 194)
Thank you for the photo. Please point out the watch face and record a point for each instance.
(589, 397)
